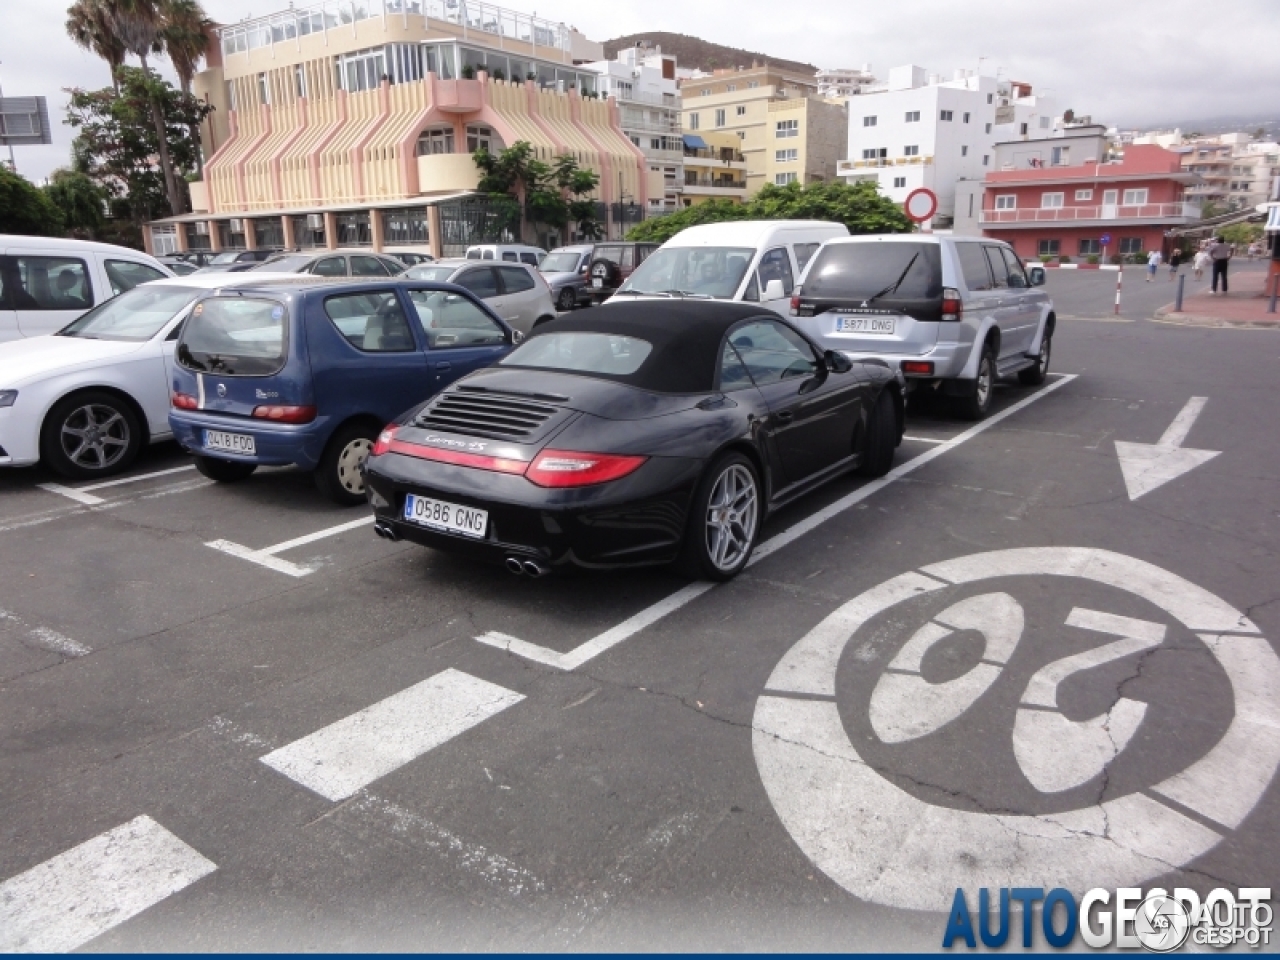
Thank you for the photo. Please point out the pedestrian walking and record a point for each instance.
(1220, 254)
(1175, 262)
(1153, 264)
(1200, 262)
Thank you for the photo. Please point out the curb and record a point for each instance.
(1167, 314)
(1113, 267)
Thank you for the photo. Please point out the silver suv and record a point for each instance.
(951, 313)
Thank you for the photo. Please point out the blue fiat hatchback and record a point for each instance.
(307, 372)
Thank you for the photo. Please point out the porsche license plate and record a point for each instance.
(449, 517)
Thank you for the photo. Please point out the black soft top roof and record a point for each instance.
(687, 337)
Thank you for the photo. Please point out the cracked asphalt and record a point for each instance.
(625, 804)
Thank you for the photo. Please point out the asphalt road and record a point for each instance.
(294, 739)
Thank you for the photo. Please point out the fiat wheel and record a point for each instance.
(340, 475)
(91, 434)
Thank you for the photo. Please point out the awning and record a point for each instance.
(694, 142)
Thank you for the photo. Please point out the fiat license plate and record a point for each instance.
(866, 324)
(449, 517)
(229, 442)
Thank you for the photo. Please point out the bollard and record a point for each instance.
(1275, 287)
(1119, 278)
(1177, 300)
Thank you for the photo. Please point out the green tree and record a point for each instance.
(551, 195)
(1242, 234)
(24, 209)
(80, 200)
(662, 229)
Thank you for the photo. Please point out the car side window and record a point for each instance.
(628, 258)
(642, 253)
(999, 272)
(772, 352)
(804, 253)
(1017, 273)
(510, 256)
(486, 255)
(394, 266)
(481, 282)
(330, 267)
(125, 274)
(372, 322)
(752, 293)
(612, 254)
(368, 267)
(776, 265)
(450, 320)
(733, 372)
(530, 258)
(515, 279)
(46, 283)
(974, 266)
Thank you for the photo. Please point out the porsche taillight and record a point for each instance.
(569, 468)
(383, 443)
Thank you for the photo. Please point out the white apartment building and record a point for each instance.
(917, 130)
(841, 83)
(644, 82)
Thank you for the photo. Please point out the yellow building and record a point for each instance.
(341, 124)
(784, 131)
(714, 168)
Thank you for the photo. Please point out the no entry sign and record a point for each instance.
(921, 204)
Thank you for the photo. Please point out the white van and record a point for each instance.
(511, 252)
(46, 282)
(757, 261)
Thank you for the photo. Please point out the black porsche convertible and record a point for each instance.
(641, 433)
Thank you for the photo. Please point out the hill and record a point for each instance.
(701, 54)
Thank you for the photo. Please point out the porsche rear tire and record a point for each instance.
(724, 521)
(882, 436)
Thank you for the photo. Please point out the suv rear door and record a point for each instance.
(1005, 306)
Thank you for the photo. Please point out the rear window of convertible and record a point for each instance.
(234, 336)
(599, 353)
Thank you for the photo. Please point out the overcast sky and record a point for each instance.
(1132, 64)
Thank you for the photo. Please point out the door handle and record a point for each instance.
(444, 365)
(786, 416)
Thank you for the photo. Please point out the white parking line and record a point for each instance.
(83, 495)
(46, 639)
(65, 902)
(611, 638)
(266, 557)
(924, 439)
(339, 759)
(70, 494)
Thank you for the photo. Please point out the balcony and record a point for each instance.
(713, 155)
(852, 166)
(1165, 212)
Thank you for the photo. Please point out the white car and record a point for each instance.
(86, 399)
(516, 292)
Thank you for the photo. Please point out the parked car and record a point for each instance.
(89, 398)
(236, 261)
(648, 433)
(410, 256)
(307, 371)
(754, 261)
(333, 263)
(517, 292)
(952, 313)
(45, 282)
(611, 264)
(197, 258)
(180, 268)
(510, 252)
(565, 270)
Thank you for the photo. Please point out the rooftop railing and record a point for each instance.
(1144, 211)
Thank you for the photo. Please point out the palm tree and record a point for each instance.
(89, 25)
(186, 39)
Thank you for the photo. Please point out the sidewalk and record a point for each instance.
(1244, 306)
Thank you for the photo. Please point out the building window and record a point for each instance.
(706, 92)
(300, 81)
(1050, 201)
(988, 98)
(964, 151)
(655, 143)
(407, 225)
(731, 87)
(868, 121)
(913, 116)
(874, 153)
(1089, 246)
(913, 150)
(720, 118)
(985, 159)
(947, 116)
(693, 121)
(786, 128)
(1049, 248)
(1135, 198)
(785, 156)
(966, 118)
(1022, 128)
(899, 182)
(1109, 198)
(988, 128)
(1007, 201)
(439, 140)
(782, 179)
(482, 138)
(361, 70)
(742, 110)
(752, 84)
(1084, 195)
(1060, 157)
(742, 134)
(1044, 123)
(1130, 245)
(264, 89)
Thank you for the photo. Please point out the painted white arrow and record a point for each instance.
(1146, 466)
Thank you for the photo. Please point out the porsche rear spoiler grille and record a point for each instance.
(486, 415)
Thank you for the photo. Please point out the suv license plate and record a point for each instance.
(597, 282)
(876, 325)
(450, 517)
(229, 442)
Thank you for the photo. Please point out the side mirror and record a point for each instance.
(773, 290)
(516, 337)
(1037, 276)
(837, 362)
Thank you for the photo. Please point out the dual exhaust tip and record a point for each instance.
(385, 531)
(528, 568)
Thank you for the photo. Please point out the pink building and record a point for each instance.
(1061, 210)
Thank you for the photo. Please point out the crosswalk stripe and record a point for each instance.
(65, 902)
(339, 759)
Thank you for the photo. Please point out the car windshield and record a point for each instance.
(285, 264)
(234, 335)
(228, 257)
(604, 353)
(709, 272)
(431, 273)
(565, 262)
(136, 315)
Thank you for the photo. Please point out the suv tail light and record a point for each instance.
(566, 468)
(795, 301)
(952, 306)
(184, 401)
(283, 414)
